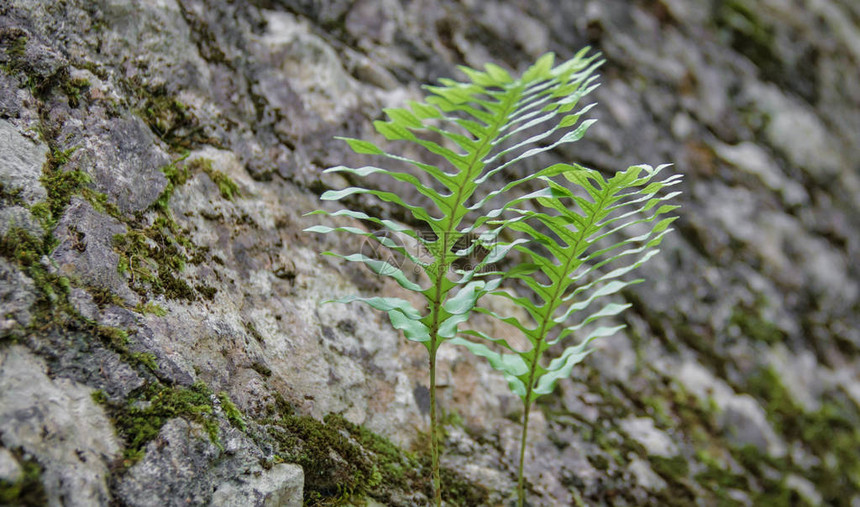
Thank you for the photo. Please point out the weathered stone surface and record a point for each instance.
(280, 486)
(123, 160)
(16, 297)
(656, 442)
(21, 162)
(182, 465)
(85, 249)
(58, 423)
(10, 470)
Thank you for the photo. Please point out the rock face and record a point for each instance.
(162, 339)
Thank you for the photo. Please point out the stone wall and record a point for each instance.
(162, 340)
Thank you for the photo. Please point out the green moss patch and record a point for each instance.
(346, 462)
(173, 121)
(233, 414)
(139, 419)
(74, 90)
(755, 327)
(227, 187)
(28, 489)
(153, 259)
(831, 434)
(16, 49)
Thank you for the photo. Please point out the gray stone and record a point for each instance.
(182, 465)
(10, 470)
(804, 488)
(798, 133)
(282, 485)
(740, 416)
(645, 476)
(745, 423)
(86, 248)
(173, 471)
(309, 64)
(17, 295)
(21, 162)
(124, 160)
(19, 218)
(752, 158)
(83, 302)
(655, 441)
(9, 103)
(57, 422)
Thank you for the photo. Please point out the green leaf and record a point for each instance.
(413, 329)
(384, 304)
(512, 364)
(568, 226)
(361, 147)
(381, 268)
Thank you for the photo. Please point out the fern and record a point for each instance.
(486, 125)
(567, 250)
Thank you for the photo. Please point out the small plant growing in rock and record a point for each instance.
(478, 129)
(576, 232)
(491, 122)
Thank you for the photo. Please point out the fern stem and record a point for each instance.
(521, 493)
(434, 442)
(435, 308)
(552, 304)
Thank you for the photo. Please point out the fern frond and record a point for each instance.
(486, 124)
(568, 247)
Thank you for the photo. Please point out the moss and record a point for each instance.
(104, 297)
(166, 116)
(60, 185)
(146, 359)
(11, 196)
(16, 51)
(42, 212)
(674, 468)
(18, 245)
(117, 338)
(717, 477)
(151, 308)
(153, 261)
(346, 462)
(154, 255)
(754, 326)
(206, 292)
(231, 411)
(140, 418)
(334, 467)
(228, 188)
(99, 397)
(252, 330)
(598, 461)
(829, 433)
(262, 369)
(28, 490)
(176, 177)
(27, 252)
(74, 88)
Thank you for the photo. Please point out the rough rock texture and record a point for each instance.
(57, 422)
(161, 334)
